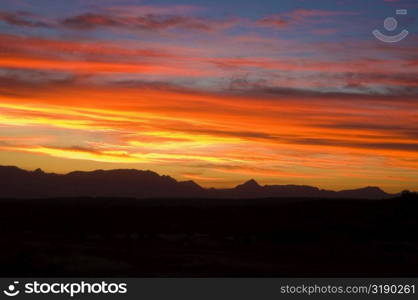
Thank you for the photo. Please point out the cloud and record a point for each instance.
(301, 16)
(136, 10)
(147, 22)
(145, 18)
(49, 48)
(23, 19)
(89, 21)
(273, 21)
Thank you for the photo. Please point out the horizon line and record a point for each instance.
(244, 182)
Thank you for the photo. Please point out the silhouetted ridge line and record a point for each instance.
(18, 183)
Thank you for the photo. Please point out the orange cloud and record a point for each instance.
(303, 138)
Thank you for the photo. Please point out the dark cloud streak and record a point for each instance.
(22, 19)
(147, 22)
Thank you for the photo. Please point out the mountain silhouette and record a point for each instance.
(250, 185)
(19, 183)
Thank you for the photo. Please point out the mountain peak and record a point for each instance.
(250, 184)
(373, 188)
(367, 188)
(38, 171)
(369, 192)
(190, 184)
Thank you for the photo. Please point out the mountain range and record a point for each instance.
(19, 183)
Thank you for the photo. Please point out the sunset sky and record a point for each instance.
(286, 92)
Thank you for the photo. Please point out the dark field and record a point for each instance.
(208, 238)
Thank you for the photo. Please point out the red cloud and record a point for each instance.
(299, 16)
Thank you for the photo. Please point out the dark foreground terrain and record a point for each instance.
(258, 238)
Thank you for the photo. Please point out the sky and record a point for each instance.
(285, 92)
